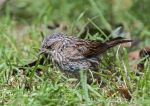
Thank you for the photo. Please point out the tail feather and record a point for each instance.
(103, 47)
(116, 41)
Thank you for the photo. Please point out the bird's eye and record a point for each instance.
(49, 47)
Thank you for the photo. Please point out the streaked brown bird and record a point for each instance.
(72, 54)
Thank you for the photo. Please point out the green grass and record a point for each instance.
(21, 25)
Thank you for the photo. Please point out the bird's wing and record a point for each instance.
(90, 48)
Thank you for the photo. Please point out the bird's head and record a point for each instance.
(52, 42)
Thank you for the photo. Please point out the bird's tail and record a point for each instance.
(115, 41)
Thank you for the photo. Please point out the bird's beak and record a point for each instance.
(44, 51)
(40, 53)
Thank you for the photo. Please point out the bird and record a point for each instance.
(72, 54)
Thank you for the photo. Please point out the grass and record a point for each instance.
(21, 24)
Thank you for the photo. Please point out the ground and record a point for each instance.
(23, 24)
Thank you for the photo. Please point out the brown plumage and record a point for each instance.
(72, 54)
